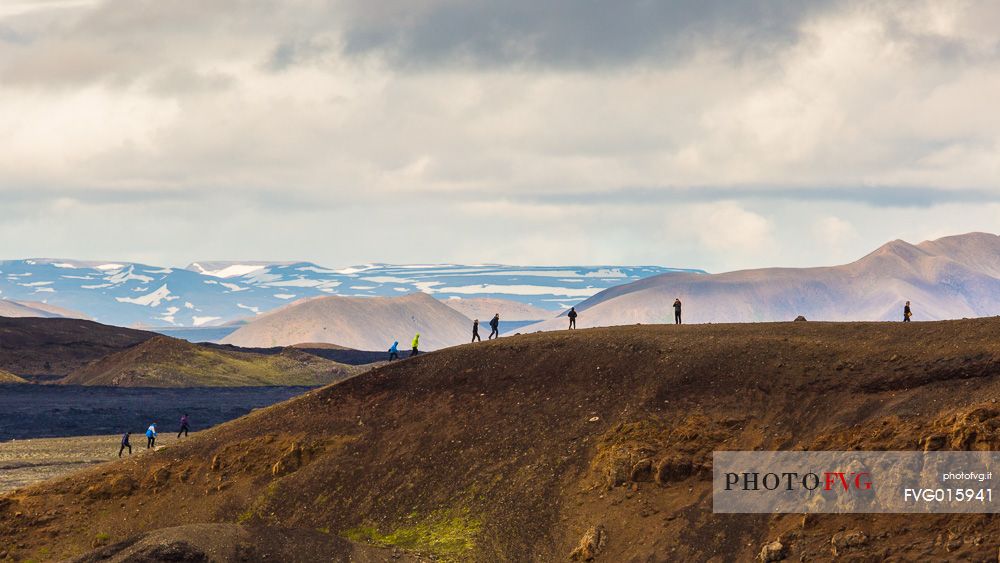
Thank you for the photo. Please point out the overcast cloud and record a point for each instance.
(718, 135)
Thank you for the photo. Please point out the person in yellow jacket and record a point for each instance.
(416, 344)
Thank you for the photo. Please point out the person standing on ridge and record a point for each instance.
(184, 427)
(475, 331)
(906, 312)
(394, 351)
(151, 436)
(572, 318)
(677, 311)
(125, 444)
(495, 325)
(416, 345)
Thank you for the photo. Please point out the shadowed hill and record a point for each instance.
(55, 347)
(169, 362)
(513, 450)
(332, 352)
(948, 278)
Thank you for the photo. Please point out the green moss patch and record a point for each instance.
(444, 534)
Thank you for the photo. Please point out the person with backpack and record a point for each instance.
(184, 427)
(394, 351)
(125, 444)
(677, 311)
(907, 313)
(151, 436)
(475, 331)
(495, 325)
(416, 345)
(572, 318)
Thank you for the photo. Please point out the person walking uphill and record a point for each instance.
(125, 444)
(151, 436)
(572, 317)
(416, 345)
(394, 351)
(907, 313)
(184, 427)
(475, 331)
(495, 325)
(677, 311)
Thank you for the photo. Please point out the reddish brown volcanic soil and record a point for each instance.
(487, 452)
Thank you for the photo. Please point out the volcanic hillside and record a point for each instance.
(168, 362)
(596, 443)
(362, 323)
(37, 346)
(949, 278)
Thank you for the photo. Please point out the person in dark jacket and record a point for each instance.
(184, 427)
(907, 313)
(495, 325)
(475, 331)
(677, 311)
(125, 444)
(572, 317)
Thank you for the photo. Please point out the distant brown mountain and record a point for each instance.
(168, 362)
(948, 278)
(483, 308)
(363, 323)
(17, 309)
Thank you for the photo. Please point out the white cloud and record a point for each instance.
(246, 130)
(726, 226)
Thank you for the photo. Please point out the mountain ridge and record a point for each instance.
(217, 293)
(951, 277)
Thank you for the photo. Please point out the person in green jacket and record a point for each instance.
(416, 345)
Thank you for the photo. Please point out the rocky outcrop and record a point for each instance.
(591, 544)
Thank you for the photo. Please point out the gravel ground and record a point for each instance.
(24, 462)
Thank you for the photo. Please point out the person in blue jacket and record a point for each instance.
(151, 436)
(394, 351)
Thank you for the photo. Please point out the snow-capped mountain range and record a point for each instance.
(215, 293)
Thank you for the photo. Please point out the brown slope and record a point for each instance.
(55, 347)
(953, 277)
(7, 377)
(492, 452)
(169, 362)
(364, 323)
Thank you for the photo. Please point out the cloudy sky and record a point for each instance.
(691, 133)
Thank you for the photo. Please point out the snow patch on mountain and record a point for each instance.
(202, 321)
(150, 299)
(231, 271)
